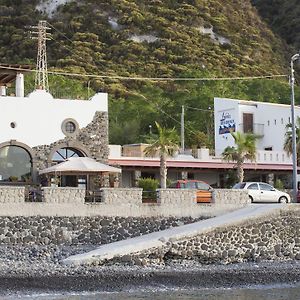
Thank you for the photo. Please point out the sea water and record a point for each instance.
(280, 292)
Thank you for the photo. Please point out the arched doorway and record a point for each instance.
(62, 154)
(15, 164)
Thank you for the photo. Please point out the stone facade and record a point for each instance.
(66, 201)
(275, 238)
(92, 140)
(12, 194)
(132, 196)
(66, 195)
(173, 197)
(229, 196)
(79, 231)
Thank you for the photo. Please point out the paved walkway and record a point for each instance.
(158, 239)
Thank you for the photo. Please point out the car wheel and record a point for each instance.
(283, 200)
(251, 199)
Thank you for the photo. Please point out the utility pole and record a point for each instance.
(294, 135)
(182, 128)
(41, 34)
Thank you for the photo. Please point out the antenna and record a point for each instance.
(41, 77)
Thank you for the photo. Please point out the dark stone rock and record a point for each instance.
(232, 252)
(204, 247)
(277, 249)
(2, 224)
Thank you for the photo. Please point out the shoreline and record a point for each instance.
(176, 275)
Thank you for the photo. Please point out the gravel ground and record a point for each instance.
(34, 268)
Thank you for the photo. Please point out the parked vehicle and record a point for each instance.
(298, 189)
(263, 192)
(204, 190)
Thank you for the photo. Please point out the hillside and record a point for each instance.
(153, 38)
(283, 17)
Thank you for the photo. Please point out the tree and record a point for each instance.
(245, 149)
(165, 145)
(288, 144)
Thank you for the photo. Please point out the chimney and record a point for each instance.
(20, 85)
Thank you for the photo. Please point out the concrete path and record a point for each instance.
(158, 239)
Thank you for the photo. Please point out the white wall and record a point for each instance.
(228, 109)
(273, 117)
(115, 151)
(39, 116)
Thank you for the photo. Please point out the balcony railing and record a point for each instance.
(257, 129)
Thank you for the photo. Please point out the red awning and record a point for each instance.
(128, 162)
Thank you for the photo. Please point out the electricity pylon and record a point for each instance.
(41, 34)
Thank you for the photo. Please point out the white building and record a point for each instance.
(267, 120)
(38, 130)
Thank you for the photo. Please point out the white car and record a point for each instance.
(263, 192)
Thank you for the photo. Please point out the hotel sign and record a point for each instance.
(227, 122)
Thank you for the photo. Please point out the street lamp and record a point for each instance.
(294, 150)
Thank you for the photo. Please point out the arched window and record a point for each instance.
(15, 164)
(64, 153)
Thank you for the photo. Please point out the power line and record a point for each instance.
(61, 33)
(161, 110)
(200, 109)
(168, 78)
(158, 78)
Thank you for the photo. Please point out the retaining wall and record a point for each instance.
(118, 202)
(271, 237)
(39, 230)
(12, 194)
(63, 195)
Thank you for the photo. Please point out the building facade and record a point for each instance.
(267, 120)
(38, 131)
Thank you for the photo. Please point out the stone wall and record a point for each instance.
(66, 195)
(117, 202)
(230, 196)
(177, 197)
(92, 140)
(12, 194)
(132, 196)
(263, 238)
(79, 230)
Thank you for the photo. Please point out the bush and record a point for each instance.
(148, 184)
(279, 184)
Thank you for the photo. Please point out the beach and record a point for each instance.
(39, 268)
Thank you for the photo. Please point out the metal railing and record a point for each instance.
(33, 194)
(257, 129)
(149, 196)
(93, 196)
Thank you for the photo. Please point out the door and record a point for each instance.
(248, 123)
(267, 193)
(254, 192)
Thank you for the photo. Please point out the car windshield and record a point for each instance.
(266, 187)
(239, 185)
(202, 186)
(195, 185)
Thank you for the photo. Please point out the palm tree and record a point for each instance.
(245, 149)
(166, 145)
(288, 144)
